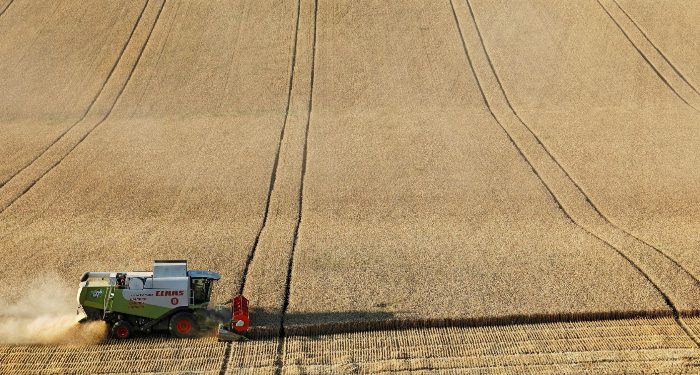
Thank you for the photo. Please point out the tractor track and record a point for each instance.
(92, 103)
(556, 161)
(666, 80)
(271, 187)
(566, 173)
(120, 92)
(273, 175)
(669, 302)
(655, 47)
(285, 305)
(5, 8)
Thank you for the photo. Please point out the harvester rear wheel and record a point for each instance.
(122, 330)
(183, 324)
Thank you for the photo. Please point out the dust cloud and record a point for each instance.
(45, 314)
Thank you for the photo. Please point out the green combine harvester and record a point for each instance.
(169, 298)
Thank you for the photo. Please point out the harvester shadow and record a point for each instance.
(266, 323)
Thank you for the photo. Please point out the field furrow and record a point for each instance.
(600, 94)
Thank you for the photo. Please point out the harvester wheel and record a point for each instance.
(122, 330)
(183, 324)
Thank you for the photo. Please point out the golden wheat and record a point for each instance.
(604, 113)
(678, 38)
(416, 203)
(55, 58)
(427, 230)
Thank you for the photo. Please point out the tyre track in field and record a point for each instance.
(303, 175)
(267, 273)
(6, 6)
(655, 47)
(97, 113)
(275, 165)
(561, 167)
(268, 276)
(663, 273)
(657, 60)
(92, 103)
(273, 177)
(290, 264)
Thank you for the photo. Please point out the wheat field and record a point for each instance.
(643, 183)
(54, 61)
(666, 35)
(457, 186)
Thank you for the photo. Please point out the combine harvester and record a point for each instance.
(169, 298)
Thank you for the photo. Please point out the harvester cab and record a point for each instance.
(168, 298)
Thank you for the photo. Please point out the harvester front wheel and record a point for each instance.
(122, 330)
(183, 324)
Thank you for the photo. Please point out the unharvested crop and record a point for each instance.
(416, 203)
(55, 59)
(622, 133)
(672, 28)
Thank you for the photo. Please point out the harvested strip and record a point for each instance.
(606, 117)
(159, 354)
(254, 357)
(594, 347)
(694, 325)
(417, 206)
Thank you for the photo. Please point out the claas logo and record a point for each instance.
(168, 293)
